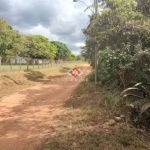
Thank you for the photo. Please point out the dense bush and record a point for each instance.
(122, 36)
(121, 33)
(122, 67)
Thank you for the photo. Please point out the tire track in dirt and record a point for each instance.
(26, 117)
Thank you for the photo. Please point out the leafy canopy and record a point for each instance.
(9, 39)
(38, 46)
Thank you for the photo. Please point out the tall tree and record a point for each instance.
(119, 24)
(37, 46)
(9, 39)
(63, 53)
(121, 32)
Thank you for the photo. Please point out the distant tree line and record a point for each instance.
(13, 43)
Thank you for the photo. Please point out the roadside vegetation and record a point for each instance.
(121, 32)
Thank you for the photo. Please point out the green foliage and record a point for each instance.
(143, 6)
(37, 46)
(73, 56)
(112, 62)
(111, 100)
(80, 57)
(140, 115)
(9, 39)
(114, 27)
(91, 76)
(63, 53)
(140, 90)
(122, 35)
(12, 43)
(123, 66)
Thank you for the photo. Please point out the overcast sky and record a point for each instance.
(59, 20)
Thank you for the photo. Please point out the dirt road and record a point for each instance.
(26, 117)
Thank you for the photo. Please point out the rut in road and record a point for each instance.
(26, 117)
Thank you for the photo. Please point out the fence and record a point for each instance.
(22, 63)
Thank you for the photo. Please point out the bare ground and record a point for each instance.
(27, 116)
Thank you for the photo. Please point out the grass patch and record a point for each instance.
(24, 67)
(93, 140)
(88, 123)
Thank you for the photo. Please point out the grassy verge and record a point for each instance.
(89, 122)
(40, 66)
(13, 81)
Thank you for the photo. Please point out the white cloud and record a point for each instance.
(80, 44)
(40, 30)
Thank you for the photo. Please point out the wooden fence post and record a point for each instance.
(0, 63)
(10, 63)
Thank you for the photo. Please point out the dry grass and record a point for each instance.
(13, 81)
(88, 124)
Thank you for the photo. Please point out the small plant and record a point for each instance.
(140, 115)
(91, 77)
(139, 90)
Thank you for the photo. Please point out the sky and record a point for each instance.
(58, 20)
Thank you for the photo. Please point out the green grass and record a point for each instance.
(18, 67)
(24, 67)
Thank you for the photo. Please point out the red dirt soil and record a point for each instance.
(26, 116)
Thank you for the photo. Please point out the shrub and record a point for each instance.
(140, 114)
(91, 77)
(123, 66)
